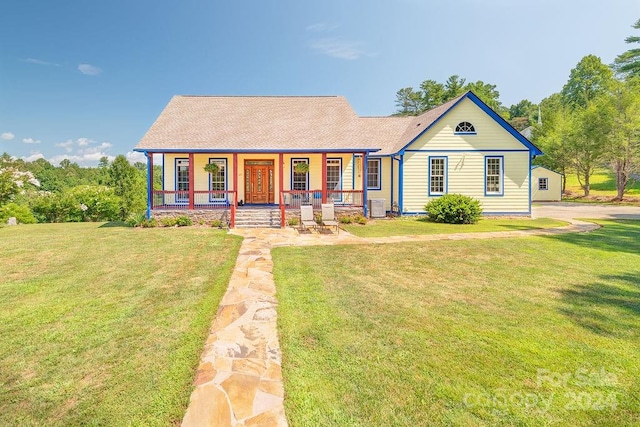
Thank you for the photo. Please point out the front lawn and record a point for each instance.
(105, 325)
(421, 225)
(527, 331)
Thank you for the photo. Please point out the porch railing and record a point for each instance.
(179, 200)
(297, 198)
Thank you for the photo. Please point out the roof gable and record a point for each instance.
(429, 119)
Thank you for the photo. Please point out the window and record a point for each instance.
(218, 180)
(493, 176)
(373, 174)
(299, 180)
(182, 180)
(543, 184)
(437, 175)
(465, 127)
(334, 179)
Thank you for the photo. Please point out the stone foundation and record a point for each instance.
(196, 215)
(339, 211)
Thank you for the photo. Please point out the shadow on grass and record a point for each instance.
(114, 224)
(620, 235)
(609, 307)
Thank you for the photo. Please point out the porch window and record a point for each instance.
(334, 179)
(218, 181)
(373, 174)
(494, 176)
(299, 180)
(543, 184)
(437, 175)
(182, 180)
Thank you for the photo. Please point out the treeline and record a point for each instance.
(593, 122)
(41, 192)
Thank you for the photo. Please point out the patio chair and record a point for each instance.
(329, 217)
(306, 217)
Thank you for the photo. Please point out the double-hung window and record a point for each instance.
(494, 176)
(299, 180)
(218, 184)
(373, 174)
(334, 181)
(182, 180)
(437, 176)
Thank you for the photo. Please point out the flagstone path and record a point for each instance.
(239, 380)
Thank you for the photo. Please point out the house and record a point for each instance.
(546, 184)
(461, 146)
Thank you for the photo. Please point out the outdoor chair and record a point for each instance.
(306, 217)
(329, 217)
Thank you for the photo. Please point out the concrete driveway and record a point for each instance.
(568, 210)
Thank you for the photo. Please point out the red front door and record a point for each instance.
(258, 181)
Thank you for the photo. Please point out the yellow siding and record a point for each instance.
(554, 192)
(489, 134)
(465, 175)
(385, 183)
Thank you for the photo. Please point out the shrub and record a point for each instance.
(216, 223)
(168, 221)
(135, 219)
(359, 219)
(345, 220)
(183, 221)
(293, 222)
(149, 223)
(454, 209)
(22, 214)
(81, 203)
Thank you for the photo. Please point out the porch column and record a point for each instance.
(191, 181)
(324, 177)
(364, 183)
(235, 176)
(281, 171)
(149, 157)
(400, 184)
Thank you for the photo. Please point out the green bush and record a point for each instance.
(149, 223)
(22, 214)
(346, 220)
(293, 222)
(81, 203)
(454, 209)
(359, 219)
(135, 219)
(183, 221)
(168, 221)
(216, 223)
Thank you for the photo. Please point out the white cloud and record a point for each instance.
(85, 141)
(40, 62)
(339, 48)
(83, 160)
(96, 149)
(89, 70)
(319, 27)
(35, 155)
(67, 145)
(136, 156)
(7, 136)
(30, 141)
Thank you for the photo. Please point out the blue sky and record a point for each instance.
(81, 79)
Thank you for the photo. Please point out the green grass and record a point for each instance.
(528, 331)
(105, 325)
(420, 225)
(602, 183)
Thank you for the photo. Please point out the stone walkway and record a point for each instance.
(239, 380)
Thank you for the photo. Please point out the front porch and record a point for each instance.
(247, 179)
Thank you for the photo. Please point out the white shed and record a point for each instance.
(546, 185)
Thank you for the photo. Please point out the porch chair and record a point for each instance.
(306, 217)
(329, 217)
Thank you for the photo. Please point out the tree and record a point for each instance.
(623, 149)
(589, 79)
(553, 136)
(433, 94)
(128, 184)
(588, 142)
(8, 186)
(628, 63)
(408, 102)
(453, 87)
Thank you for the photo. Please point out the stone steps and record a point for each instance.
(257, 218)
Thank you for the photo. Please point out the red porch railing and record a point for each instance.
(293, 199)
(179, 200)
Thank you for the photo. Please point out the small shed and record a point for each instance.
(546, 185)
